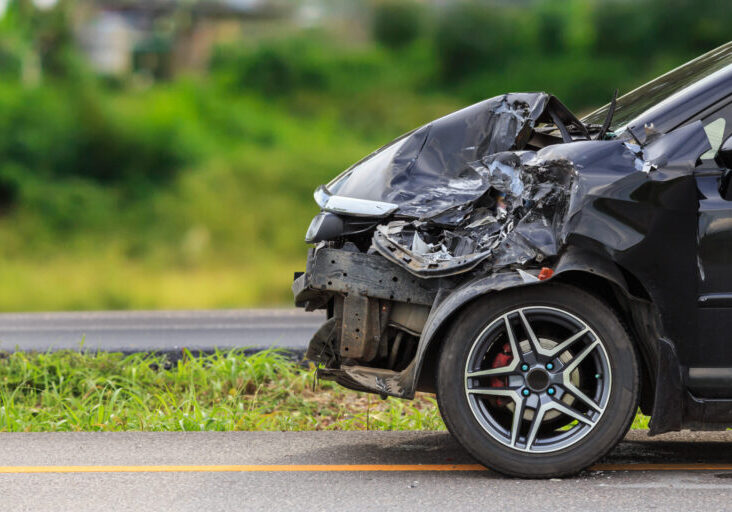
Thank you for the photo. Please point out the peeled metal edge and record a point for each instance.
(399, 255)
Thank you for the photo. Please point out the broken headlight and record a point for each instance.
(324, 226)
(329, 226)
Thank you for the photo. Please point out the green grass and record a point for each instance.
(640, 421)
(68, 391)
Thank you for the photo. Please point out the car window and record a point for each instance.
(717, 126)
(650, 95)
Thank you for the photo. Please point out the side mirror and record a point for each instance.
(724, 155)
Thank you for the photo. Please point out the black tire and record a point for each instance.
(621, 393)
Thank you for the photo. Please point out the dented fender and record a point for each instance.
(447, 305)
(666, 396)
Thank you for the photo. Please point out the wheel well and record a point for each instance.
(609, 292)
(620, 302)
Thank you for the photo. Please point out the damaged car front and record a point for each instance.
(524, 265)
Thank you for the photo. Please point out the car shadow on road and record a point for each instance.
(441, 448)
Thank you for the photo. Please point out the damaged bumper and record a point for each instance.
(337, 271)
(376, 314)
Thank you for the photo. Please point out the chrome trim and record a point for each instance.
(321, 196)
(351, 205)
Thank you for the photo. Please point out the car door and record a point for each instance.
(709, 362)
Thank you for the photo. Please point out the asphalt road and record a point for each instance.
(265, 471)
(166, 331)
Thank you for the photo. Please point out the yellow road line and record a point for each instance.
(255, 468)
(333, 467)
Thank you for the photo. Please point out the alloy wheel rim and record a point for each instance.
(538, 379)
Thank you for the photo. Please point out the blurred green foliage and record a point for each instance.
(196, 191)
(396, 23)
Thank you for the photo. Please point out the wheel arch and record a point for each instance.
(617, 287)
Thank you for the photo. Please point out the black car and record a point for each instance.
(544, 275)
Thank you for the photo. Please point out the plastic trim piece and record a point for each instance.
(352, 206)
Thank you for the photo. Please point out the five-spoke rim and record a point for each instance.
(538, 379)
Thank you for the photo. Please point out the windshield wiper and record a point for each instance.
(608, 117)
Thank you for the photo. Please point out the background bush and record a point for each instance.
(396, 24)
(195, 191)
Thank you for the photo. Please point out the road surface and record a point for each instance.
(165, 331)
(341, 471)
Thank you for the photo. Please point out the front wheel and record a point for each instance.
(539, 381)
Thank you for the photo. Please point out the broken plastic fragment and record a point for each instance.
(545, 273)
(526, 277)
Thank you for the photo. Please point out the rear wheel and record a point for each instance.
(538, 381)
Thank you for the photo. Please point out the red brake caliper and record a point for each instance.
(503, 358)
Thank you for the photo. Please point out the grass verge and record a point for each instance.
(69, 391)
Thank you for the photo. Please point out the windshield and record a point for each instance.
(637, 101)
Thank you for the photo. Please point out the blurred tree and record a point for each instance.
(579, 30)
(473, 38)
(689, 26)
(624, 28)
(53, 37)
(275, 67)
(551, 21)
(41, 40)
(396, 23)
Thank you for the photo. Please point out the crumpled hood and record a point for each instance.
(493, 183)
(426, 172)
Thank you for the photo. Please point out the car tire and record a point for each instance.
(581, 415)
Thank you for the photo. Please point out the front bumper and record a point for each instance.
(337, 271)
(360, 292)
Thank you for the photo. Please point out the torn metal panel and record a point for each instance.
(374, 380)
(426, 171)
(677, 151)
(527, 206)
(515, 219)
(323, 346)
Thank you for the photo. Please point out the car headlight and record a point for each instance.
(324, 226)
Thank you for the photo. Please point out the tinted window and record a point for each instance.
(636, 102)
